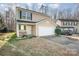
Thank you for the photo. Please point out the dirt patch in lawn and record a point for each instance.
(36, 47)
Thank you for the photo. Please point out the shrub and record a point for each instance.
(13, 38)
(27, 36)
(58, 31)
(4, 30)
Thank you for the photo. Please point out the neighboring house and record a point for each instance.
(69, 24)
(34, 23)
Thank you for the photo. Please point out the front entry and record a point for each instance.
(29, 29)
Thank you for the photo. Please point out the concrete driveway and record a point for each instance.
(72, 44)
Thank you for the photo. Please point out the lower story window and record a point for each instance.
(22, 27)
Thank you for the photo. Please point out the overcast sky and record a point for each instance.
(36, 6)
(59, 6)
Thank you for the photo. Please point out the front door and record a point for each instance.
(29, 30)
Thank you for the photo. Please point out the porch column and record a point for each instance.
(17, 29)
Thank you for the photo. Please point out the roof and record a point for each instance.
(68, 19)
(26, 21)
(29, 21)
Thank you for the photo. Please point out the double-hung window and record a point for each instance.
(22, 27)
(25, 15)
(29, 16)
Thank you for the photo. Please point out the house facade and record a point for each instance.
(69, 24)
(34, 23)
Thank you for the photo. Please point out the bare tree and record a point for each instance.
(2, 24)
(10, 19)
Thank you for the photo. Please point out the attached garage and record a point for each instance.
(44, 31)
(45, 28)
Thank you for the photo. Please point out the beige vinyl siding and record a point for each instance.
(38, 17)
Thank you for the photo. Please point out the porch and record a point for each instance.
(25, 28)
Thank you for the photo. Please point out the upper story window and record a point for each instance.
(7, 14)
(29, 16)
(64, 23)
(70, 23)
(75, 23)
(25, 15)
(22, 15)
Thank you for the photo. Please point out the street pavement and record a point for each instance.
(63, 40)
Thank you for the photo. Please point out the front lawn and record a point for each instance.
(14, 38)
(35, 47)
(4, 37)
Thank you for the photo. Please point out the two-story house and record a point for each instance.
(69, 24)
(34, 23)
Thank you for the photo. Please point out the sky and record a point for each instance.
(67, 5)
(36, 6)
(59, 6)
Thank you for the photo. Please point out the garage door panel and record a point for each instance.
(44, 31)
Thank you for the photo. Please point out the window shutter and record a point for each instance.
(20, 14)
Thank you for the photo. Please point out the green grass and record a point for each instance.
(13, 39)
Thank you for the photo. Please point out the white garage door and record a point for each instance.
(44, 31)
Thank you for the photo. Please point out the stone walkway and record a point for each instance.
(4, 37)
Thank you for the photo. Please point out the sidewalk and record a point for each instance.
(4, 38)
